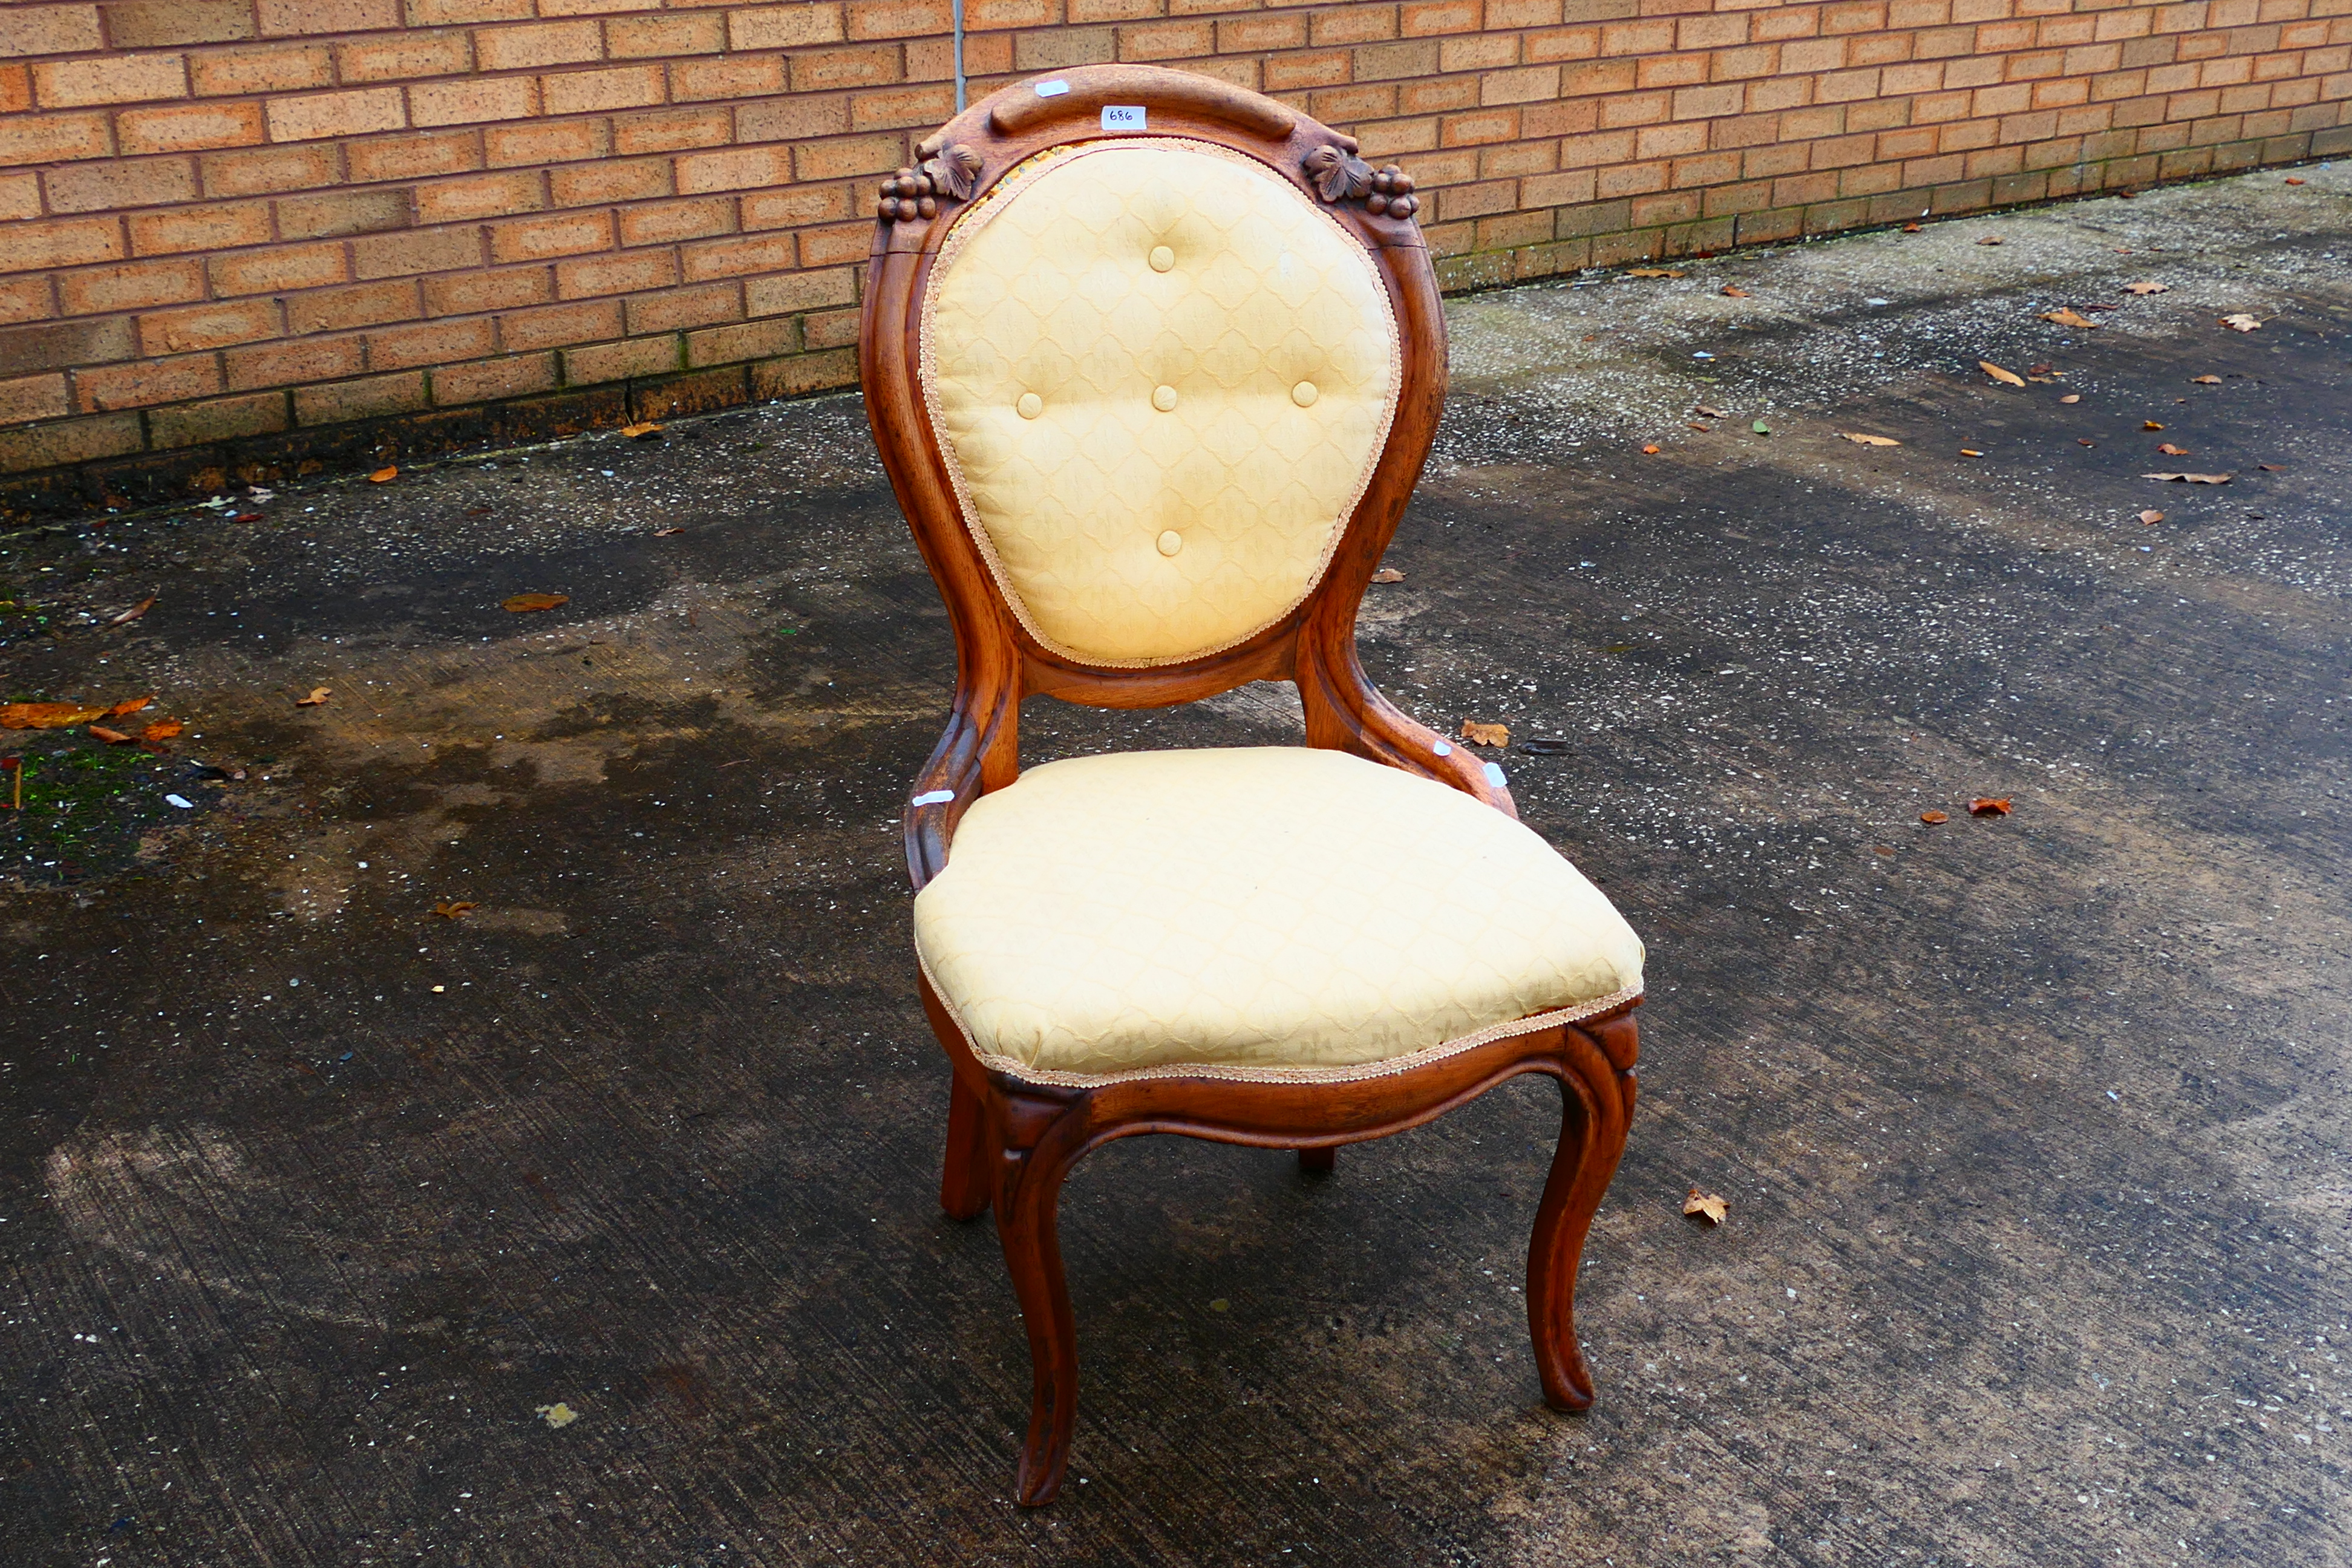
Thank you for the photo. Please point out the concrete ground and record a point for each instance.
(315, 1205)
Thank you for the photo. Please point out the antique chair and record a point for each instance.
(1154, 362)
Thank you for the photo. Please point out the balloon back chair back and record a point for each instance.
(1154, 362)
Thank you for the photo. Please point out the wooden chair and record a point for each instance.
(1154, 362)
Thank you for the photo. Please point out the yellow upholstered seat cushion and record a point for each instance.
(1160, 376)
(1258, 910)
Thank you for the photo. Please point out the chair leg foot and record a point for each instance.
(1591, 1139)
(1319, 1159)
(1026, 1221)
(963, 1179)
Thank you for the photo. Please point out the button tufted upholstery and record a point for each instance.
(1131, 339)
(1260, 911)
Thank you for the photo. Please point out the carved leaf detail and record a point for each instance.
(1338, 176)
(956, 171)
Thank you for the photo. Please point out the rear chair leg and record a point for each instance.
(964, 1181)
(1321, 1160)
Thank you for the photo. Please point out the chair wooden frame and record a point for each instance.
(1010, 1141)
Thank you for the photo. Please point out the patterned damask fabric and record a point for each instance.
(1162, 376)
(1275, 907)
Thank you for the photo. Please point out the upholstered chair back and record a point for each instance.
(1160, 376)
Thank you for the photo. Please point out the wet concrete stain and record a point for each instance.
(2033, 1127)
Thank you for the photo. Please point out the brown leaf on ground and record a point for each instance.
(385, 475)
(2191, 479)
(2067, 318)
(1701, 429)
(1862, 440)
(2151, 518)
(1709, 1207)
(524, 603)
(2041, 370)
(1985, 806)
(1933, 818)
(2239, 321)
(665, 533)
(1704, 412)
(1970, 452)
(319, 695)
(1388, 574)
(2204, 381)
(2149, 425)
(111, 737)
(2006, 377)
(47, 715)
(1734, 291)
(1479, 734)
(2072, 397)
(1650, 450)
(1910, 229)
(2145, 288)
(2170, 450)
(1652, 272)
(2270, 468)
(645, 430)
(2292, 180)
(130, 705)
(453, 910)
(2085, 441)
(1882, 849)
(160, 731)
(1989, 239)
(132, 613)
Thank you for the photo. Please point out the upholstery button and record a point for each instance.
(1171, 542)
(1163, 398)
(1162, 258)
(1304, 395)
(1030, 405)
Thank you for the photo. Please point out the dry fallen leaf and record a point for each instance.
(1910, 229)
(319, 695)
(524, 603)
(2170, 450)
(2151, 518)
(1734, 291)
(1704, 412)
(111, 737)
(2292, 180)
(2239, 321)
(1388, 574)
(1862, 440)
(132, 613)
(1479, 734)
(558, 1415)
(2067, 318)
(385, 475)
(1701, 429)
(645, 430)
(2149, 425)
(1984, 805)
(1933, 818)
(1649, 451)
(1970, 452)
(2072, 397)
(1989, 239)
(2192, 478)
(2205, 381)
(47, 715)
(2145, 288)
(130, 705)
(1651, 272)
(453, 911)
(2270, 468)
(2085, 441)
(1709, 1204)
(665, 533)
(2006, 377)
(160, 731)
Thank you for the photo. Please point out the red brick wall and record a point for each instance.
(246, 237)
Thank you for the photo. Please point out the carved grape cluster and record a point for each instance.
(912, 194)
(1339, 176)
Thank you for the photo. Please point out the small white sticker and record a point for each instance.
(1122, 116)
(935, 797)
(1494, 777)
(1052, 89)
(1442, 750)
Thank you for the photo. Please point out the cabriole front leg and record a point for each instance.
(1028, 1199)
(1591, 1141)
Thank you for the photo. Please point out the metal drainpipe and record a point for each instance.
(958, 55)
